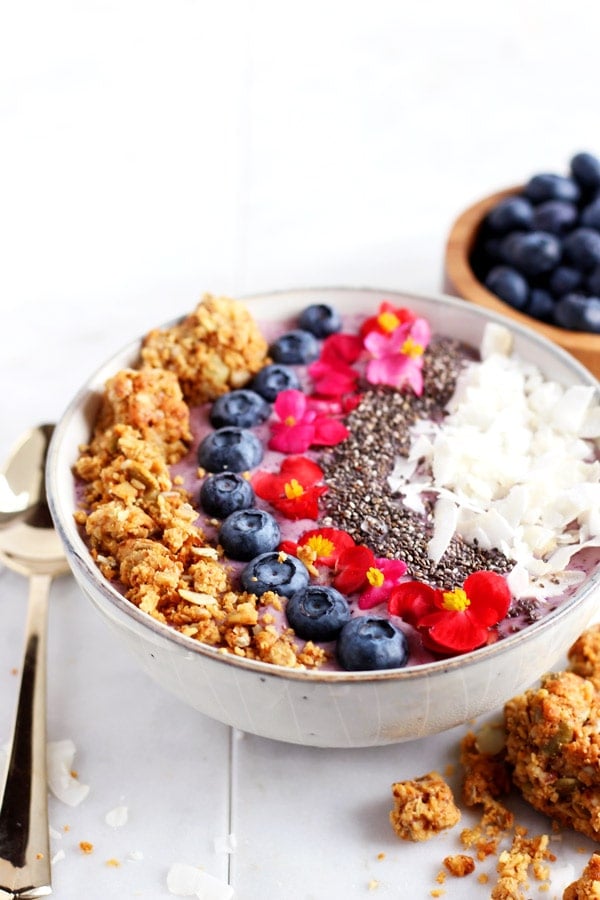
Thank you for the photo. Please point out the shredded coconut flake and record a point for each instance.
(117, 817)
(189, 881)
(61, 780)
(513, 464)
(58, 856)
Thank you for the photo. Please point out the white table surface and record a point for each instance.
(150, 151)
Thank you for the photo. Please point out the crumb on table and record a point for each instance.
(514, 866)
(423, 807)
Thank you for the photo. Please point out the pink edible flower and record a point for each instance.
(301, 426)
(397, 357)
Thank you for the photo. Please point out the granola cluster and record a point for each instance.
(423, 807)
(553, 748)
(140, 524)
(215, 349)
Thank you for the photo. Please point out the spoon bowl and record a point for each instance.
(22, 480)
(30, 546)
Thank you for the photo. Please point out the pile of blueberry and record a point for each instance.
(252, 535)
(539, 250)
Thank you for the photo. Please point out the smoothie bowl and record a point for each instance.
(336, 517)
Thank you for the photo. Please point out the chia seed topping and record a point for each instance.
(357, 471)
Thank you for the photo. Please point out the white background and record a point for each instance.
(150, 151)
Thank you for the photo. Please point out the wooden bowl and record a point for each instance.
(462, 282)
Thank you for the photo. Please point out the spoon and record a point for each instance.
(31, 547)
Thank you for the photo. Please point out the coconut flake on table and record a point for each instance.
(117, 817)
(513, 466)
(189, 881)
(61, 780)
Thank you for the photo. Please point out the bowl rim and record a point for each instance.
(80, 558)
(459, 245)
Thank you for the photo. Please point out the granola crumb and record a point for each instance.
(86, 847)
(485, 780)
(514, 865)
(459, 865)
(423, 807)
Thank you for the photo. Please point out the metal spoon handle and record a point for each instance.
(24, 837)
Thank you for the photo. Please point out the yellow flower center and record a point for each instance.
(289, 421)
(322, 546)
(456, 600)
(293, 489)
(375, 577)
(388, 321)
(412, 348)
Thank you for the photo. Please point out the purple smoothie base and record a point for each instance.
(587, 561)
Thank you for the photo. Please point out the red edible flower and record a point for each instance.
(294, 490)
(358, 569)
(332, 372)
(326, 545)
(387, 319)
(301, 426)
(453, 621)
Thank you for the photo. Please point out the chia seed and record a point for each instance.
(357, 472)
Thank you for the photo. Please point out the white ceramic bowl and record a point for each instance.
(327, 709)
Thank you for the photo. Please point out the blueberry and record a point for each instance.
(590, 216)
(276, 572)
(564, 279)
(509, 285)
(511, 214)
(317, 613)
(493, 249)
(273, 379)
(593, 282)
(548, 186)
(578, 312)
(224, 493)
(532, 253)
(230, 449)
(248, 532)
(367, 642)
(585, 169)
(243, 408)
(320, 319)
(555, 216)
(540, 305)
(582, 247)
(295, 348)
